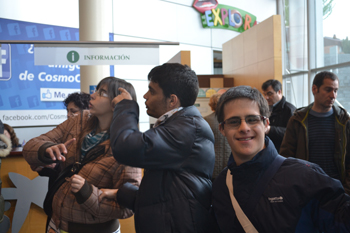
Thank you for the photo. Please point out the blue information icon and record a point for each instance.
(15, 101)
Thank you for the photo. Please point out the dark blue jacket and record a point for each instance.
(178, 157)
(299, 198)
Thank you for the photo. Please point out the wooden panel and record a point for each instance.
(216, 82)
(256, 54)
(186, 58)
(228, 82)
(227, 56)
(250, 47)
(237, 53)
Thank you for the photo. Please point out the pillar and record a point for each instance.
(95, 24)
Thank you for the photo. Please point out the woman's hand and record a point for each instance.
(77, 183)
(108, 193)
(58, 151)
(124, 94)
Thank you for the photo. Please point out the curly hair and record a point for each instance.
(81, 100)
(14, 139)
(213, 101)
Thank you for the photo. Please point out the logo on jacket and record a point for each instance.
(275, 199)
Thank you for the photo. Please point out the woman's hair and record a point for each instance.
(112, 83)
(14, 139)
(213, 101)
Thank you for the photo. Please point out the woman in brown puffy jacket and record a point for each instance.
(79, 150)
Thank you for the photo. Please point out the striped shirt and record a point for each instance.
(321, 129)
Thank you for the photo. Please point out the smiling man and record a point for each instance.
(319, 132)
(263, 191)
(177, 154)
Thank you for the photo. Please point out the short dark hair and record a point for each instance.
(318, 80)
(238, 93)
(81, 100)
(177, 79)
(275, 84)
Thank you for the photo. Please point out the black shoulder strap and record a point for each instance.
(262, 184)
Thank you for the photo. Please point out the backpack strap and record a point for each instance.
(244, 216)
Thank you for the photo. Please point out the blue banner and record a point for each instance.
(21, 80)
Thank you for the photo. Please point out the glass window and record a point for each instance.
(296, 90)
(217, 62)
(295, 28)
(336, 32)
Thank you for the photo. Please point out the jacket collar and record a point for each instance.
(260, 161)
(280, 104)
(339, 112)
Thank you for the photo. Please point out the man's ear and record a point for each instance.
(174, 101)
(279, 92)
(314, 89)
(222, 131)
(267, 123)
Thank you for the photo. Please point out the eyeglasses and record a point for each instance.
(101, 93)
(235, 122)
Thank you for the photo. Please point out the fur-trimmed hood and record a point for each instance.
(5, 151)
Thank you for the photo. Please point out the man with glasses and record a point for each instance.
(280, 109)
(260, 189)
(319, 133)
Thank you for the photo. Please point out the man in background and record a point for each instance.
(319, 133)
(280, 111)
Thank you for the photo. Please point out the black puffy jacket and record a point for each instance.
(299, 198)
(178, 157)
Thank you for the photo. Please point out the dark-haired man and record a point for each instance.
(275, 194)
(319, 132)
(280, 109)
(177, 154)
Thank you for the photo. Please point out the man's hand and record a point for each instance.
(59, 151)
(124, 94)
(77, 183)
(109, 194)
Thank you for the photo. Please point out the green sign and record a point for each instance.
(73, 56)
(228, 17)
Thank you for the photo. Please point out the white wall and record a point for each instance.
(152, 20)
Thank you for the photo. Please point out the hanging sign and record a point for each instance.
(46, 55)
(215, 15)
